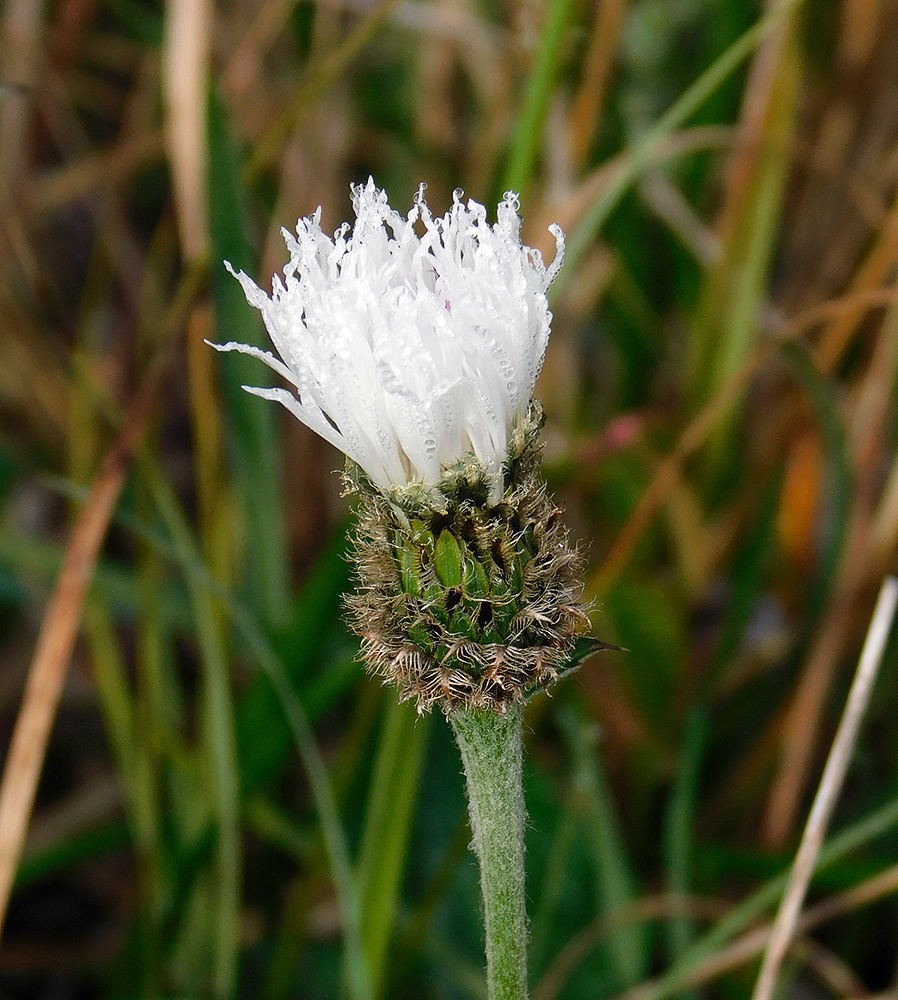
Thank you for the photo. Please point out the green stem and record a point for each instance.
(490, 746)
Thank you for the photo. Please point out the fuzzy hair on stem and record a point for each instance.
(490, 746)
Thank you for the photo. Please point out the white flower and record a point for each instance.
(408, 352)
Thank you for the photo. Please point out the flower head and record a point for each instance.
(410, 342)
(413, 344)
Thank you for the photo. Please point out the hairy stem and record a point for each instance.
(490, 746)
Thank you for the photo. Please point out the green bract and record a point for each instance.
(463, 601)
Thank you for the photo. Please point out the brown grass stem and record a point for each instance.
(655, 907)
(61, 621)
(49, 666)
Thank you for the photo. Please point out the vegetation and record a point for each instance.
(229, 807)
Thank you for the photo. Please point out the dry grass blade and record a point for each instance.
(59, 627)
(828, 792)
(884, 530)
(185, 63)
(92, 173)
(862, 565)
(646, 908)
(726, 959)
(19, 56)
(762, 92)
(753, 943)
(315, 80)
(873, 271)
(797, 728)
(586, 112)
(245, 64)
(834, 974)
(698, 430)
(51, 658)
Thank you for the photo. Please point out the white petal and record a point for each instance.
(408, 351)
(257, 352)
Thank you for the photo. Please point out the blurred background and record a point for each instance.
(229, 806)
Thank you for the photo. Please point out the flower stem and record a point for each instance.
(490, 746)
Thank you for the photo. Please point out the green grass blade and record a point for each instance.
(77, 848)
(186, 556)
(643, 154)
(747, 577)
(265, 657)
(132, 756)
(531, 118)
(30, 557)
(546, 909)
(765, 899)
(252, 421)
(679, 828)
(312, 620)
(677, 979)
(727, 323)
(322, 793)
(388, 822)
(615, 884)
(269, 822)
(218, 745)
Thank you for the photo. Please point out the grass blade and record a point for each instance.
(387, 829)
(679, 828)
(615, 884)
(252, 421)
(218, 745)
(530, 119)
(313, 762)
(58, 632)
(643, 153)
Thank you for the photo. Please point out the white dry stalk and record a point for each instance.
(828, 792)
